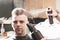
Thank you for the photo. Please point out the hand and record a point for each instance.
(54, 13)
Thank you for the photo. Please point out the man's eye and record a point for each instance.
(15, 22)
(21, 21)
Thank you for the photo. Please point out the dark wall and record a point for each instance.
(36, 20)
(5, 8)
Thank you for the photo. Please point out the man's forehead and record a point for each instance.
(20, 17)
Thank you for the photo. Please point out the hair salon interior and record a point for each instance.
(33, 6)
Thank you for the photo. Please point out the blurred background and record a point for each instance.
(6, 6)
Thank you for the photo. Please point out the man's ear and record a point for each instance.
(27, 22)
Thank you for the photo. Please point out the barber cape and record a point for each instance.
(49, 31)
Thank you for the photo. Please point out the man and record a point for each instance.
(19, 21)
(50, 31)
(19, 24)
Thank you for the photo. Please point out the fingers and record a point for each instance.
(53, 13)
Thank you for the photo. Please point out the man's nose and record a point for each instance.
(18, 23)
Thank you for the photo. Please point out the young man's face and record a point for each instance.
(19, 23)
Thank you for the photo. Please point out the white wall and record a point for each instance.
(58, 4)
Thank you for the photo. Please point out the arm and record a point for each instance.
(55, 14)
(58, 17)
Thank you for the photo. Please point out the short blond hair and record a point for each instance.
(20, 11)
